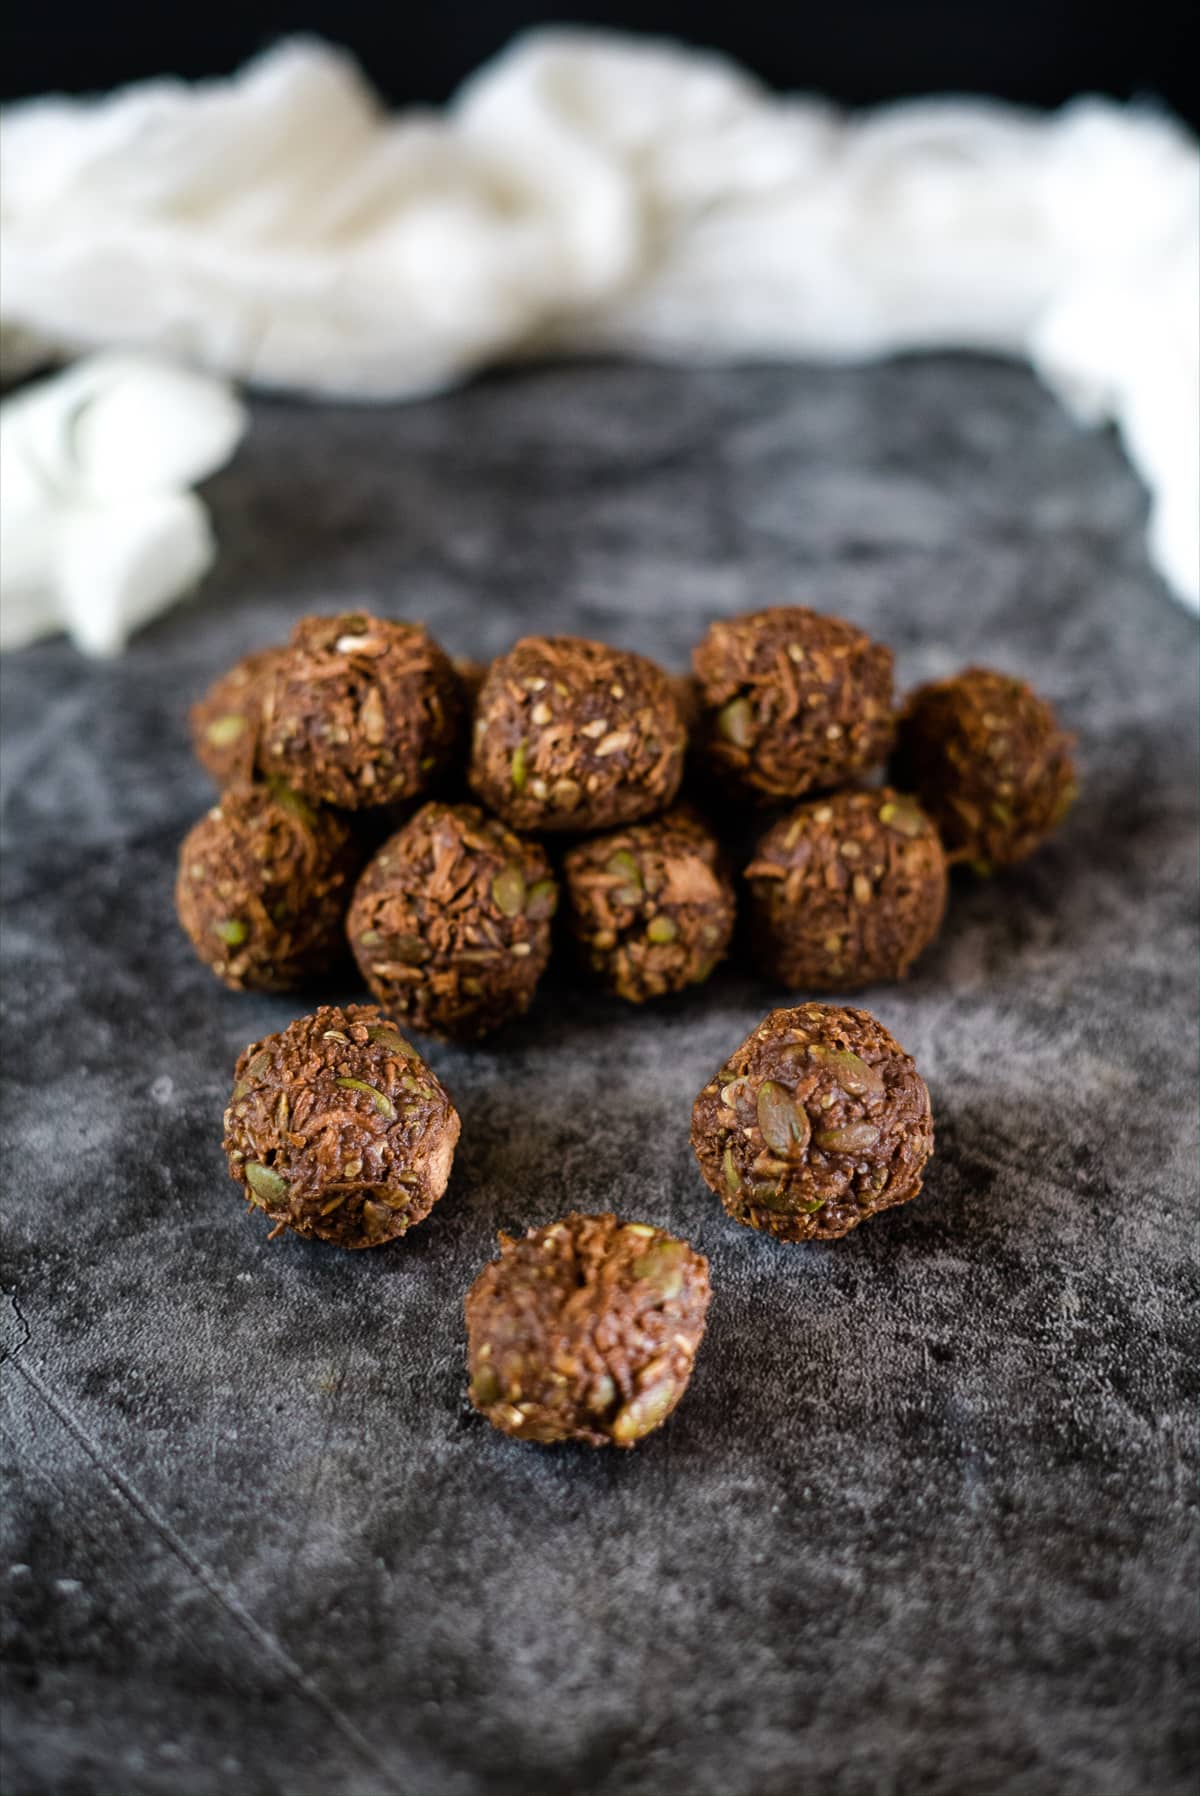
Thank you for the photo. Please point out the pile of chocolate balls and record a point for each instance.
(380, 798)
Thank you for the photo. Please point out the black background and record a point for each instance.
(857, 51)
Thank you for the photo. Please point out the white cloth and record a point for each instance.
(588, 191)
(98, 531)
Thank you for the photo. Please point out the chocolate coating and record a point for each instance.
(450, 923)
(360, 711)
(585, 1330)
(226, 724)
(263, 885)
(337, 1128)
(573, 735)
(794, 701)
(989, 761)
(817, 1121)
(846, 890)
(651, 910)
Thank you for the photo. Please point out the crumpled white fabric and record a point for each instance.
(98, 530)
(587, 191)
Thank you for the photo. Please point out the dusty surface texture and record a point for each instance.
(920, 1524)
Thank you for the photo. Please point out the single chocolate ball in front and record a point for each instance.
(573, 735)
(263, 886)
(651, 909)
(817, 1121)
(450, 923)
(360, 711)
(337, 1129)
(846, 890)
(226, 724)
(989, 761)
(794, 702)
(585, 1330)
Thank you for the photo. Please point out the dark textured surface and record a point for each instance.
(921, 1523)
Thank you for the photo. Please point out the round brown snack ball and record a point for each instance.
(846, 890)
(816, 1122)
(572, 735)
(226, 724)
(360, 711)
(338, 1129)
(794, 701)
(651, 910)
(585, 1330)
(263, 885)
(450, 923)
(990, 762)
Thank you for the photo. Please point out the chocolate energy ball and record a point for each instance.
(572, 735)
(585, 1330)
(226, 724)
(651, 910)
(846, 890)
(990, 762)
(337, 1128)
(450, 923)
(360, 711)
(263, 885)
(816, 1122)
(793, 701)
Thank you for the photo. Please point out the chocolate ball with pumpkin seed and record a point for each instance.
(794, 702)
(360, 711)
(651, 907)
(585, 1330)
(573, 735)
(450, 923)
(263, 886)
(846, 890)
(817, 1121)
(338, 1130)
(989, 761)
(226, 724)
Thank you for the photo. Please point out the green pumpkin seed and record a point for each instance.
(232, 932)
(485, 1387)
(736, 722)
(623, 865)
(508, 891)
(852, 1074)
(782, 1122)
(518, 767)
(904, 816)
(662, 1267)
(643, 1412)
(541, 901)
(662, 929)
(380, 1099)
(223, 732)
(733, 1180)
(852, 1138)
(267, 1185)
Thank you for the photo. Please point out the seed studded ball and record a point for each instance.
(337, 1129)
(361, 711)
(573, 735)
(989, 761)
(650, 907)
(846, 890)
(794, 702)
(450, 923)
(585, 1330)
(226, 724)
(816, 1122)
(263, 886)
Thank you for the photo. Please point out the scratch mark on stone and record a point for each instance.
(209, 1581)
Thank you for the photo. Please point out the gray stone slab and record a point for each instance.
(922, 1523)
